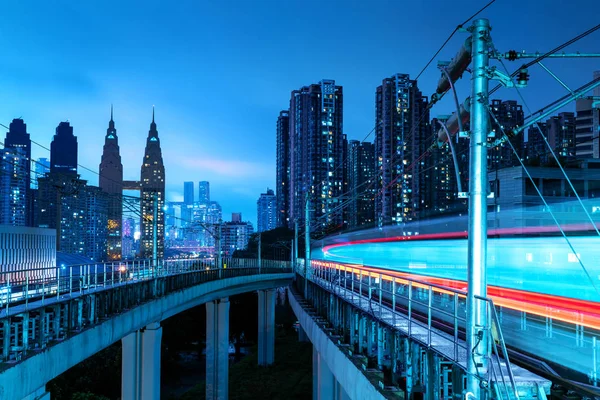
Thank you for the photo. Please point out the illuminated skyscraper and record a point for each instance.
(316, 153)
(152, 186)
(15, 171)
(510, 115)
(111, 182)
(402, 124)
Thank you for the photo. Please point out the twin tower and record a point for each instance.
(151, 185)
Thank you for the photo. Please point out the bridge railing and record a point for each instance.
(431, 314)
(20, 286)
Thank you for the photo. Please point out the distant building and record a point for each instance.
(63, 151)
(188, 193)
(401, 130)
(27, 249)
(361, 183)
(129, 248)
(204, 192)
(16, 201)
(235, 235)
(510, 116)
(316, 154)
(152, 187)
(559, 131)
(266, 211)
(441, 189)
(283, 168)
(111, 182)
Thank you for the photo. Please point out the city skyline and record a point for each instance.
(48, 82)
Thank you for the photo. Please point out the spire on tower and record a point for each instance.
(153, 113)
(111, 111)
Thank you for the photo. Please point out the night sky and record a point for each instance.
(219, 72)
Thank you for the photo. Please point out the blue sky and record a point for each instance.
(219, 72)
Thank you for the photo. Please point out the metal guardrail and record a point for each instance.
(420, 307)
(25, 285)
(40, 320)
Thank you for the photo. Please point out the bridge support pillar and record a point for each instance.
(266, 327)
(217, 349)
(432, 376)
(325, 386)
(371, 336)
(39, 394)
(140, 374)
(458, 382)
(362, 330)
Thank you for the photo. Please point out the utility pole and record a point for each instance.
(259, 250)
(218, 243)
(306, 244)
(477, 323)
(295, 247)
(155, 232)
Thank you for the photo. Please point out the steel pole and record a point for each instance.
(259, 250)
(477, 329)
(295, 241)
(219, 261)
(155, 232)
(306, 244)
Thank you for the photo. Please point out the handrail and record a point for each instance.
(331, 273)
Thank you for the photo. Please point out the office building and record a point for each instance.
(402, 127)
(266, 211)
(27, 249)
(188, 193)
(63, 151)
(316, 154)
(361, 183)
(111, 182)
(153, 194)
(283, 168)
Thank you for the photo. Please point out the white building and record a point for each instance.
(26, 254)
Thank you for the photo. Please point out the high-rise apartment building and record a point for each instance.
(78, 212)
(361, 183)
(266, 211)
(402, 125)
(63, 151)
(510, 116)
(441, 190)
(111, 182)
(559, 131)
(15, 173)
(316, 154)
(153, 194)
(188, 193)
(283, 168)
(204, 192)
(235, 234)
